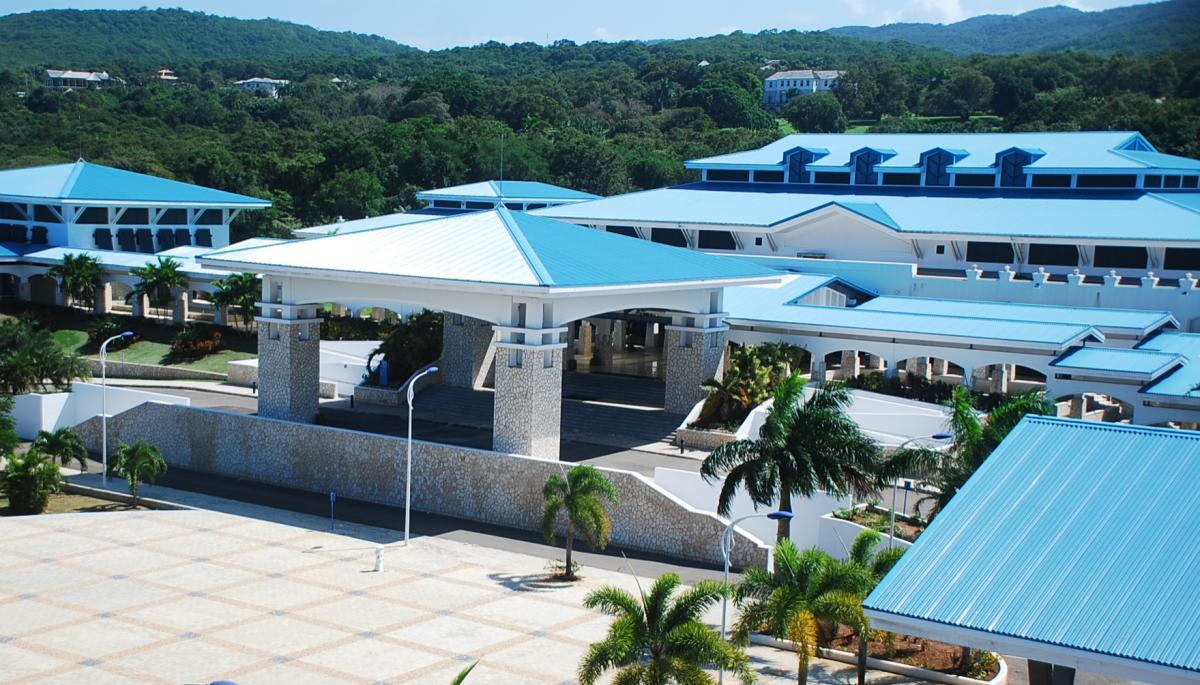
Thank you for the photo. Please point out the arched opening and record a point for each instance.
(9, 286)
(1007, 379)
(43, 289)
(851, 367)
(1092, 406)
(626, 343)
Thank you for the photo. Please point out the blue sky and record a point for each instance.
(445, 23)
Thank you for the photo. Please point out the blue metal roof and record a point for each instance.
(353, 226)
(1143, 365)
(757, 305)
(1130, 321)
(499, 247)
(122, 262)
(10, 252)
(1083, 150)
(1071, 535)
(1181, 382)
(1131, 215)
(87, 183)
(522, 191)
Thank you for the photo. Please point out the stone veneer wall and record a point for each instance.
(697, 439)
(465, 351)
(688, 367)
(119, 369)
(455, 481)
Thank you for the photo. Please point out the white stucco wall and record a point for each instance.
(36, 412)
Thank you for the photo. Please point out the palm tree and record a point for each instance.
(974, 440)
(64, 444)
(138, 463)
(580, 497)
(462, 675)
(805, 446)
(79, 275)
(239, 290)
(804, 590)
(875, 564)
(657, 640)
(157, 280)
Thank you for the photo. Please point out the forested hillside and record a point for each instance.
(602, 117)
(1136, 30)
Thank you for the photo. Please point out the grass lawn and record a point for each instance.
(63, 503)
(154, 347)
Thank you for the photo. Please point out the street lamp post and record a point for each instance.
(412, 382)
(726, 548)
(938, 437)
(104, 402)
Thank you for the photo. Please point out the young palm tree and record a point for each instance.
(157, 280)
(241, 291)
(64, 444)
(659, 640)
(462, 675)
(80, 276)
(974, 440)
(28, 480)
(805, 446)
(138, 463)
(580, 497)
(875, 564)
(804, 590)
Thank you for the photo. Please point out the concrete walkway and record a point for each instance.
(273, 597)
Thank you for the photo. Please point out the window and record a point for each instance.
(768, 177)
(864, 162)
(209, 217)
(1053, 255)
(1182, 259)
(1106, 181)
(1170, 181)
(902, 179)
(516, 206)
(44, 213)
(480, 205)
(141, 215)
(669, 236)
(758, 242)
(1120, 257)
(935, 168)
(1012, 168)
(535, 205)
(1191, 181)
(93, 215)
(173, 216)
(623, 230)
(735, 175)
(447, 204)
(1152, 181)
(838, 177)
(996, 253)
(940, 249)
(974, 180)
(717, 240)
(1051, 180)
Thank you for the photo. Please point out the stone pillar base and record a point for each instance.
(528, 406)
(691, 357)
(289, 356)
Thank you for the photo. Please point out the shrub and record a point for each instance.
(139, 463)
(350, 328)
(408, 347)
(104, 327)
(196, 340)
(31, 360)
(28, 480)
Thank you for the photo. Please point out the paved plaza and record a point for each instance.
(264, 596)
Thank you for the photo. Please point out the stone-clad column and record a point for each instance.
(103, 303)
(289, 356)
(693, 355)
(587, 344)
(465, 347)
(604, 342)
(528, 407)
(140, 304)
(179, 305)
(850, 367)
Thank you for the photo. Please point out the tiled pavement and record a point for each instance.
(194, 596)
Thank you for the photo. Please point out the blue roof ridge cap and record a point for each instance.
(531, 258)
(76, 169)
(499, 191)
(1111, 427)
(1169, 199)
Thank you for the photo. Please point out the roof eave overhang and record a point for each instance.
(1017, 346)
(701, 164)
(486, 286)
(44, 199)
(1080, 659)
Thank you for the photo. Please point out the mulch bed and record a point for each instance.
(914, 651)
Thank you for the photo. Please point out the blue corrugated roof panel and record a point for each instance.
(1075, 150)
(85, 182)
(525, 191)
(1073, 535)
(370, 223)
(1139, 364)
(1181, 382)
(1131, 215)
(757, 305)
(1163, 161)
(1135, 321)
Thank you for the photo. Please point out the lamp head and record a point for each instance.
(942, 436)
(127, 334)
(432, 369)
(780, 515)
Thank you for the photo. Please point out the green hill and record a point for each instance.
(87, 38)
(1141, 29)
